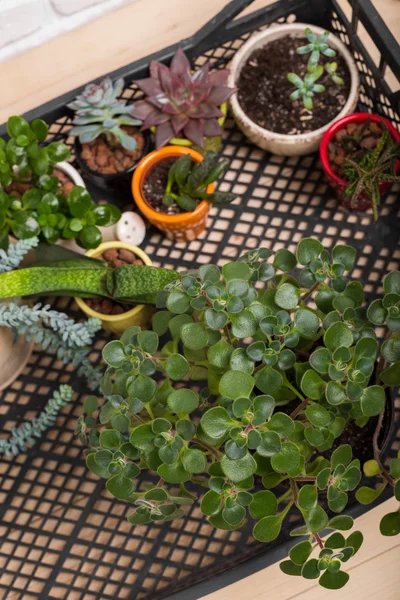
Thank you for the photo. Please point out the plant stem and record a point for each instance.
(303, 479)
(309, 292)
(293, 389)
(299, 408)
(293, 489)
(319, 541)
(206, 446)
(287, 494)
(148, 408)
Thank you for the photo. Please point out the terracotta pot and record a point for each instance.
(183, 227)
(14, 355)
(339, 185)
(278, 143)
(185, 142)
(137, 315)
(118, 184)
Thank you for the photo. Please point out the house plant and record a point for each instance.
(360, 155)
(281, 118)
(32, 201)
(158, 186)
(184, 106)
(108, 143)
(284, 382)
(119, 321)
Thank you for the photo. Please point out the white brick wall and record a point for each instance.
(28, 23)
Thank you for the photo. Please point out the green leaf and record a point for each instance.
(281, 423)
(341, 456)
(323, 478)
(175, 473)
(306, 323)
(142, 388)
(161, 321)
(354, 541)
(391, 283)
(120, 486)
(320, 360)
(316, 519)
(346, 255)
(287, 459)
(334, 581)
(219, 522)
(110, 438)
(239, 469)
(183, 401)
(284, 260)
(310, 569)
(219, 355)
(290, 568)
(390, 524)
(178, 301)
(148, 341)
(308, 498)
(391, 376)
(268, 528)
(241, 362)
(308, 250)
(234, 515)
(176, 366)
(268, 380)
(211, 503)
(394, 468)
(373, 400)
(312, 385)
(371, 468)
(338, 334)
(376, 312)
(194, 461)
(209, 273)
(216, 422)
(90, 405)
(287, 296)
(215, 320)
(270, 444)
(244, 324)
(366, 495)
(194, 336)
(335, 541)
(300, 552)
(142, 437)
(335, 393)
(114, 353)
(342, 523)
(263, 504)
(236, 270)
(99, 470)
(236, 384)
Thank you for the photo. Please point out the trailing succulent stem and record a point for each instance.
(307, 87)
(281, 381)
(187, 183)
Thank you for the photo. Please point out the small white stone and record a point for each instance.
(131, 228)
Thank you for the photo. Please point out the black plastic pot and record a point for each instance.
(118, 184)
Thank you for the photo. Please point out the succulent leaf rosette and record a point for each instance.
(181, 102)
(98, 111)
(283, 376)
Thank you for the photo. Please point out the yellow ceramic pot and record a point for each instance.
(138, 315)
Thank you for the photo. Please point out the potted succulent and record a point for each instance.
(184, 106)
(360, 155)
(174, 187)
(108, 142)
(38, 195)
(289, 90)
(117, 316)
(285, 383)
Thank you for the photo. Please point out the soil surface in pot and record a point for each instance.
(264, 90)
(353, 141)
(116, 257)
(18, 189)
(154, 188)
(102, 157)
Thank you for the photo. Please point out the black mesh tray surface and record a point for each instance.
(62, 536)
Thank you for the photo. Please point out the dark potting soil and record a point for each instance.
(116, 257)
(154, 188)
(102, 157)
(353, 141)
(264, 90)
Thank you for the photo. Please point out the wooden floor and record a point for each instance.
(111, 42)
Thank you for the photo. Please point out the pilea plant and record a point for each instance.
(283, 379)
(307, 87)
(42, 209)
(186, 184)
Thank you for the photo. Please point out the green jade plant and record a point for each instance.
(98, 111)
(186, 184)
(284, 378)
(307, 87)
(43, 210)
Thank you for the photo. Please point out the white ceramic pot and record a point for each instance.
(277, 143)
(13, 356)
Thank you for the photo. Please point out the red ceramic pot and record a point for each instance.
(339, 185)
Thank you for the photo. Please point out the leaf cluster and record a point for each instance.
(187, 182)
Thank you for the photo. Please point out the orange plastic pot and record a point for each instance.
(183, 227)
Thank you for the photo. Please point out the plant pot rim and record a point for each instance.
(129, 313)
(184, 141)
(144, 167)
(25, 350)
(358, 117)
(110, 176)
(269, 35)
(71, 172)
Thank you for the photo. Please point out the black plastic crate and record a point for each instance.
(61, 534)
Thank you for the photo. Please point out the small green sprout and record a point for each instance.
(331, 69)
(306, 88)
(317, 46)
